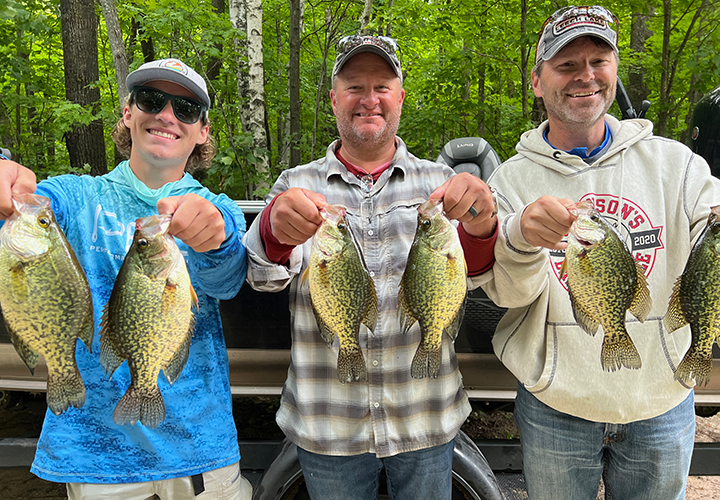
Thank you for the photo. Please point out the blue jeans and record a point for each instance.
(414, 475)
(565, 456)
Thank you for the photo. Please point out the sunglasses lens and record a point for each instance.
(186, 111)
(153, 101)
(150, 101)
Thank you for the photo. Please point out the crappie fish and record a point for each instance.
(433, 287)
(148, 320)
(604, 281)
(695, 299)
(45, 298)
(341, 291)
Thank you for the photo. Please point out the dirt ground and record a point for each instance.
(23, 418)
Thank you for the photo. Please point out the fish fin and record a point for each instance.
(563, 268)
(675, 317)
(305, 276)
(407, 320)
(327, 335)
(175, 366)
(29, 355)
(618, 353)
(194, 298)
(642, 302)
(426, 362)
(696, 365)
(148, 408)
(453, 328)
(583, 317)
(110, 359)
(371, 315)
(87, 330)
(19, 282)
(64, 391)
(351, 366)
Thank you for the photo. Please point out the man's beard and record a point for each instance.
(579, 116)
(349, 133)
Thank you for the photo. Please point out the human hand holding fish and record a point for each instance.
(195, 221)
(546, 221)
(295, 215)
(14, 178)
(464, 192)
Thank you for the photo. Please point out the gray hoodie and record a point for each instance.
(659, 194)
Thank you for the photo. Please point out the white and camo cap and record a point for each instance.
(384, 46)
(171, 70)
(569, 23)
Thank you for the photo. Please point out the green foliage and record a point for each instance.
(461, 58)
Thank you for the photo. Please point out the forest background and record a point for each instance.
(466, 64)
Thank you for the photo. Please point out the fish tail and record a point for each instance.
(65, 390)
(426, 362)
(147, 406)
(351, 366)
(618, 353)
(696, 365)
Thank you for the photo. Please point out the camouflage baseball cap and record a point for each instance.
(352, 45)
(569, 23)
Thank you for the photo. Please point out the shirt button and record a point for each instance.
(370, 232)
(372, 274)
(375, 362)
(377, 405)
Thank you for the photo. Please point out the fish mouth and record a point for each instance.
(584, 243)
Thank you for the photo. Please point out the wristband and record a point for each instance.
(3, 157)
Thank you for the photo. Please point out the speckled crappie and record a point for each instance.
(148, 320)
(695, 299)
(604, 281)
(433, 287)
(341, 291)
(45, 298)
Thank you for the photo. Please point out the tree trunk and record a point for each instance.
(294, 82)
(238, 19)
(256, 87)
(365, 17)
(524, 60)
(639, 34)
(215, 63)
(117, 47)
(85, 143)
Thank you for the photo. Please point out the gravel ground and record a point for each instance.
(24, 419)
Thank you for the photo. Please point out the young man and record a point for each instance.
(347, 433)
(576, 420)
(193, 453)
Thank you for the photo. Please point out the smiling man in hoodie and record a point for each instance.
(193, 452)
(578, 422)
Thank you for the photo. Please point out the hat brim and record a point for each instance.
(368, 48)
(142, 76)
(588, 31)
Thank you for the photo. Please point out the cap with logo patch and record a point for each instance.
(171, 70)
(569, 23)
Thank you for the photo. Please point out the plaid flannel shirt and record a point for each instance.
(391, 412)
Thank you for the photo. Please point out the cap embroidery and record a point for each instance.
(175, 65)
(579, 20)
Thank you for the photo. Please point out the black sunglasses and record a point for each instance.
(151, 100)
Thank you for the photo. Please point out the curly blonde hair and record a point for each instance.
(199, 159)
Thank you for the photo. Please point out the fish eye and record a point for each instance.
(341, 226)
(594, 218)
(425, 222)
(142, 243)
(43, 221)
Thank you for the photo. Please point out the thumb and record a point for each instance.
(318, 199)
(168, 206)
